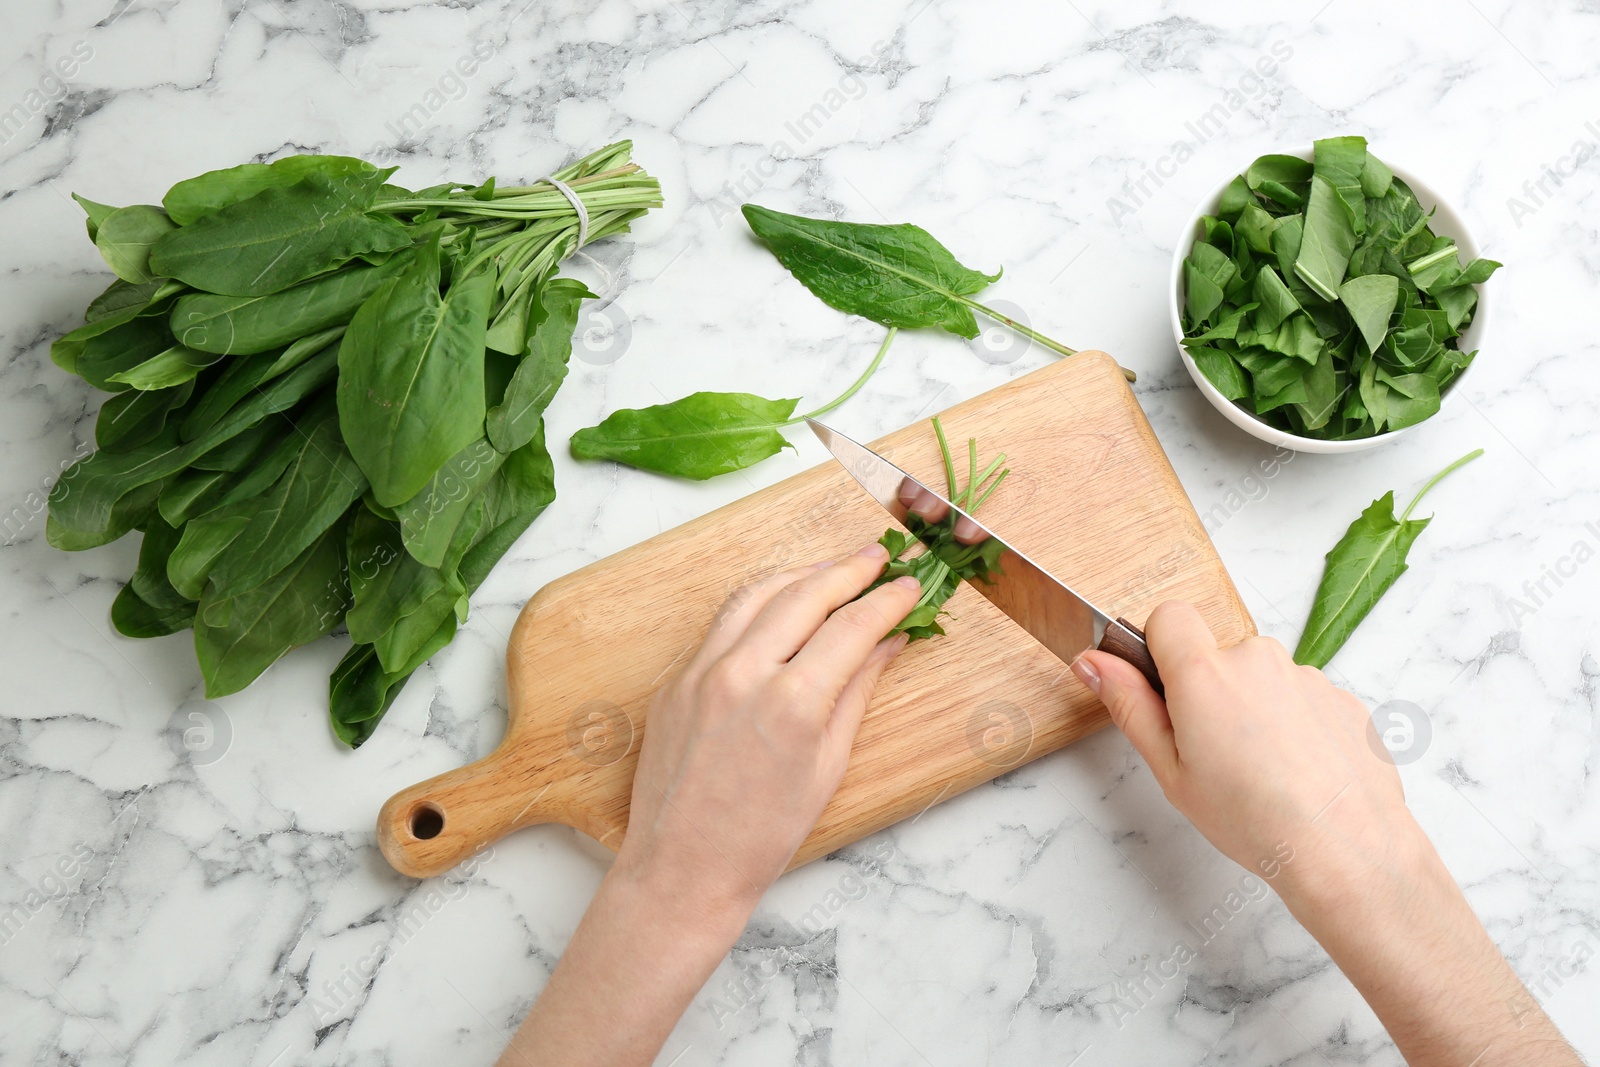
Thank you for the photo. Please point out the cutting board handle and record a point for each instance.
(430, 827)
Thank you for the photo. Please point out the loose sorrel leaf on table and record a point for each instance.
(1318, 298)
(700, 436)
(895, 275)
(1360, 569)
(704, 434)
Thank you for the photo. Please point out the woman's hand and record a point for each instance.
(1265, 757)
(742, 751)
(745, 747)
(1284, 773)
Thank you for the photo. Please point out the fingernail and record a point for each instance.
(897, 642)
(1087, 674)
(905, 581)
(823, 564)
(874, 551)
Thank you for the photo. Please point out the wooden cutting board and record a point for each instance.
(1091, 497)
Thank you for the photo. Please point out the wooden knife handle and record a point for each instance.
(1136, 652)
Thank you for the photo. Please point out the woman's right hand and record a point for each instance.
(1284, 773)
(1267, 758)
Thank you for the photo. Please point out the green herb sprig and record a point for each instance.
(940, 567)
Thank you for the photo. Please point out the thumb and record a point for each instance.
(1135, 708)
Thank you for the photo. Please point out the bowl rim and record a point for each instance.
(1454, 225)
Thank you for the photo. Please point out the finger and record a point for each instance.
(844, 642)
(857, 694)
(1176, 632)
(967, 530)
(1135, 708)
(797, 610)
(923, 502)
(733, 618)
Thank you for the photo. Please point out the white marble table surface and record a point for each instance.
(226, 904)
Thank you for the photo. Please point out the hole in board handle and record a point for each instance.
(427, 822)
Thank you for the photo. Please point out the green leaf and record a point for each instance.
(121, 348)
(208, 193)
(122, 513)
(135, 418)
(278, 237)
(169, 367)
(149, 580)
(895, 275)
(125, 237)
(360, 693)
(112, 309)
(1360, 569)
(1327, 242)
(1273, 299)
(388, 583)
(512, 423)
(94, 214)
(411, 376)
(314, 490)
(1342, 162)
(1223, 371)
(236, 639)
(244, 325)
(1282, 179)
(134, 617)
(429, 520)
(519, 492)
(202, 543)
(1256, 227)
(700, 436)
(1370, 301)
(1412, 398)
(83, 502)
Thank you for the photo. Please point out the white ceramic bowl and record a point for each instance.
(1446, 222)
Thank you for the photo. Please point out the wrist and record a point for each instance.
(698, 909)
(1357, 859)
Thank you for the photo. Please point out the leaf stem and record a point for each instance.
(855, 387)
(1437, 478)
(976, 504)
(972, 472)
(1033, 335)
(944, 450)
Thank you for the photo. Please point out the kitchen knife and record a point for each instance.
(1058, 618)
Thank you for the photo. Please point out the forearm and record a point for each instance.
(1399, 927)
(641, 952)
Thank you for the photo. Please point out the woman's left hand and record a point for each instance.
(745, 747)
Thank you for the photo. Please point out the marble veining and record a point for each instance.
(222, 901)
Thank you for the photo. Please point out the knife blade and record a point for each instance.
(1049, 609)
